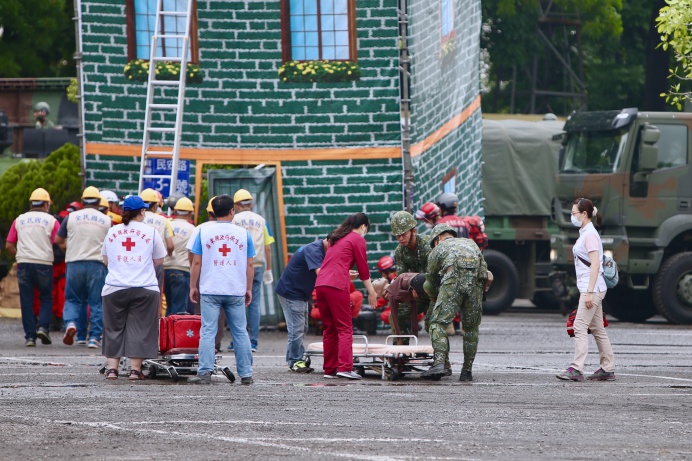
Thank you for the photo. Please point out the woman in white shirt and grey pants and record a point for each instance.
(588, 255)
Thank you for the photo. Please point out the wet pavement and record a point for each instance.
(54, 404)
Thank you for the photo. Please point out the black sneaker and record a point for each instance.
(246, 380)
(602, 375)
(44, 336)
(465, 376)
(31, 342)
(202, 378)
(570, 374)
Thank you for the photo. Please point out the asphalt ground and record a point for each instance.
(55, 405)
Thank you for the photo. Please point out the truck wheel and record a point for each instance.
(546, 300)
(504, 288)
(629, 305)
(673, 289)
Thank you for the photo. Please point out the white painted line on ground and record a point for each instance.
(259, 441)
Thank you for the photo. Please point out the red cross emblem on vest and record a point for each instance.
(128, 244)
(224, 250)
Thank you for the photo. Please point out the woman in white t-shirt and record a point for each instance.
(131, 294)
(588, 255)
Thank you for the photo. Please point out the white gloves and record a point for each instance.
(268, 277)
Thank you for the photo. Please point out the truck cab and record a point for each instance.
(635, 167)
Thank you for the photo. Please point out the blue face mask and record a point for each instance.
(576, 221)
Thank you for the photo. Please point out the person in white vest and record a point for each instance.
(131, 295)
(81, 236)
(30, 240)
(262, 239)
(222, 263)
(160, 223)
(176, 286)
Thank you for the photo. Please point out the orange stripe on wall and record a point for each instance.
(246, 156)
(420, 147)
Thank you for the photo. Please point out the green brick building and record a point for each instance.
(336, 146)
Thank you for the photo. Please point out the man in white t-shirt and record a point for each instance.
(81, 236)
(30, 240)
(222, 263)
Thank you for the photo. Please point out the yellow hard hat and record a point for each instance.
(40, 195)
(104, 202)
(91, 192)
(149, 196)
(183, 204)
(209, 207)
(242, 195)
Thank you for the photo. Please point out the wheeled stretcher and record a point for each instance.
(391, 361)
(178, 350)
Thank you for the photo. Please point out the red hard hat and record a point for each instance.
(385, 262)
(428, 211)
(74, 206)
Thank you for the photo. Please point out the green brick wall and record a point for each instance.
(319, 195)
(440, 89)
(242, 104)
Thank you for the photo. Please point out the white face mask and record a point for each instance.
(576, 221)
(428, 225)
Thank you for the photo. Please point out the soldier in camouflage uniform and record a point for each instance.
(411, 255)
(456, 277)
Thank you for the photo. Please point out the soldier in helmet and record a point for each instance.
(449, 203)
(456, 277)
(41, 111)
(411, 255)
(429, 213)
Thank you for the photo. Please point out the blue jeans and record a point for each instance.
(296, 314)
(234, 306)
(83, 285)
(253, 310)
(176, 288)
(30, 276)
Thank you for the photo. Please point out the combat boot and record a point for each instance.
(465, 376)
(434, 372)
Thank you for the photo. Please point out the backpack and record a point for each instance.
(610, 270)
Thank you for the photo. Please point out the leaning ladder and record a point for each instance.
(156, 91)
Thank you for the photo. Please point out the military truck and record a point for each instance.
(635, 167)
(519, 165)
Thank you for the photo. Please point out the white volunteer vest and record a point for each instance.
(160, 223)
(34, 243)
(130, 256)
(224, 259)
(182, 231)
(86, 230)
(254, 224)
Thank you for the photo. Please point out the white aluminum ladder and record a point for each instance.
(155, 92)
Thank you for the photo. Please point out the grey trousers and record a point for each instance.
(130, 323)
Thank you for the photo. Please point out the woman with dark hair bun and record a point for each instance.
(131, 294)
(588, 254)
(346, 248)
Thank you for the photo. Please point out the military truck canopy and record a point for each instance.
(520, 164)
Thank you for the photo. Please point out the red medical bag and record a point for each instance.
(179, 332)
(570, 323)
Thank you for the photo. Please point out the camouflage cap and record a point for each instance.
(402, 221)
(440, 229)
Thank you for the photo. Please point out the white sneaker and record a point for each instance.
(328, 376)
(348, 375)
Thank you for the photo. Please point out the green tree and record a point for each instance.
(38, 38)
(621, 65)
(673, 25)
(59, 174)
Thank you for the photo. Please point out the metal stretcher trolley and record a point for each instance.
(392, 362)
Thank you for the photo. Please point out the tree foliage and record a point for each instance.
(59, 174)
(673, 24)
(615, 47)
(38, 38)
